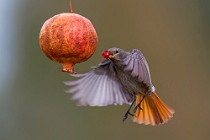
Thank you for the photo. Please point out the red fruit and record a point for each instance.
(68, 38)
(105, 54)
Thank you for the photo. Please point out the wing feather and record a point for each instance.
(130, 64)
(137, 64)
(135, 71)
(99, 87)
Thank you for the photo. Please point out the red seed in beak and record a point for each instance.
(105, 54)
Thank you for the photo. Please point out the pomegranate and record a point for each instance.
(68, 38)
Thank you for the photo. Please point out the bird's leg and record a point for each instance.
(139, 105)
(128, 111)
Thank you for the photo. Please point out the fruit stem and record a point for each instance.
(70, 7)
(68, 67)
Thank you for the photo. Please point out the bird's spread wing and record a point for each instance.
(99, 87)
(136, 63)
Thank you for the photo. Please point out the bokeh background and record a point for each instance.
(174, 35)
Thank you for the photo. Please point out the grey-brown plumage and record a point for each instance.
(121, 79)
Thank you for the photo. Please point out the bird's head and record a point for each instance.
(113, 53)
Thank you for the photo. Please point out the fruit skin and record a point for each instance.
(68, 38)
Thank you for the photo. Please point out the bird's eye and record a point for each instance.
(117, 52)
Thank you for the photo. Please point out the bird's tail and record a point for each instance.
(153, 111)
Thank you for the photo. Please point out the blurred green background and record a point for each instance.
(173, 35)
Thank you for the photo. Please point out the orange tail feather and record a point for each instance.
(154, 111)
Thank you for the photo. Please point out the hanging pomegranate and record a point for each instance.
(68, 38)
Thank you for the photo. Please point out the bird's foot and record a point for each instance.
(126, 115)
(137, 107)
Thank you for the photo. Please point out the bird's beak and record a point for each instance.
(107, 54)
(110, 54)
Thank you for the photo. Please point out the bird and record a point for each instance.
(123, 77)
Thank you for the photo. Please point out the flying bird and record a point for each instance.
(122, 78)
